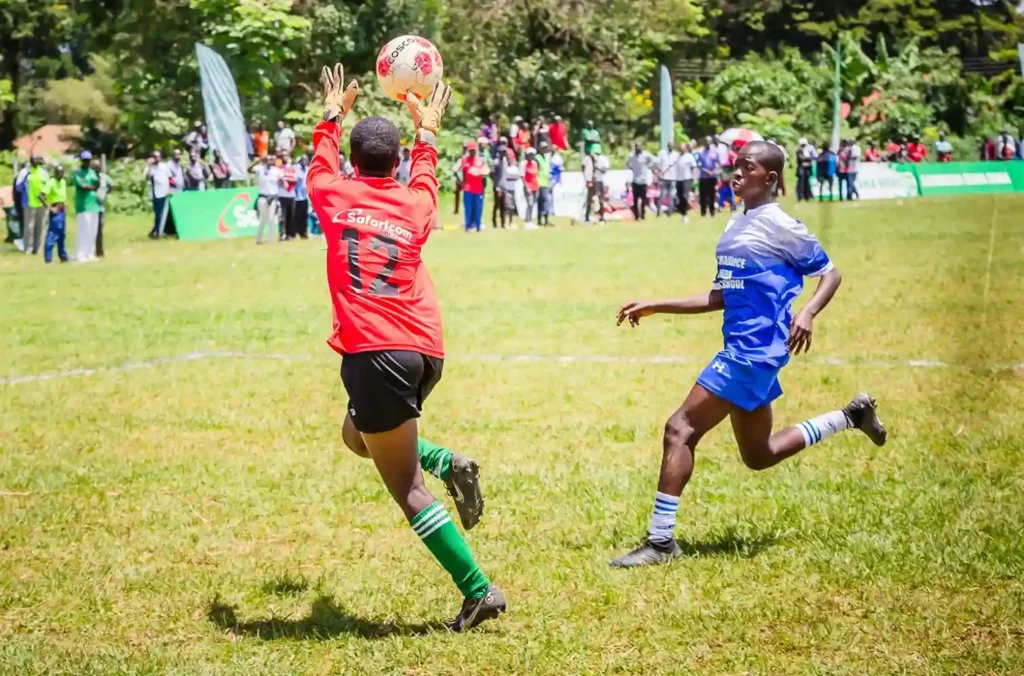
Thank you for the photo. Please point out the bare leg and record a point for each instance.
(350, 435)
(759, 448)
(394, 454)
(701, 411)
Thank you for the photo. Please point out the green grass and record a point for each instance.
(203, 517)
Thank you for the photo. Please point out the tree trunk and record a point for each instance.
(8, 125)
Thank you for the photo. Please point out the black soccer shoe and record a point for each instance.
(862, 413)
(475, 611)
(463, 484)
(648, 554)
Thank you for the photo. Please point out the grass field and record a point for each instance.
(200, 515)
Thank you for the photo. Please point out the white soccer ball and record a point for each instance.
(409, 63)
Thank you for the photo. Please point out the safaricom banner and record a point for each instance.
(215, 214)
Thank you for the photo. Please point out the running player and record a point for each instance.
(387, 323)
(763, 256)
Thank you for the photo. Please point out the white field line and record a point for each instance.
(510, 358)
(988, 265)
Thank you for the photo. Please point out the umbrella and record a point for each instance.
(739, 134)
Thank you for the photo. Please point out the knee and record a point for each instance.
(757, 459)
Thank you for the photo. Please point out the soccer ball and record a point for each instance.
(409, 63)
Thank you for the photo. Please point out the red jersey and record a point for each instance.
(530, 177)
(560, 136)
(916, 152)
(473, 183)
(375, 228)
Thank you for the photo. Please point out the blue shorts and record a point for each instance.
(748, 384)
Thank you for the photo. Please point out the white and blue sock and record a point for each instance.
(825, 425)
(663, 520)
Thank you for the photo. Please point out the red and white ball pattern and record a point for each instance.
(409, 63)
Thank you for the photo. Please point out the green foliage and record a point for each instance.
(89, 100)
(131, 191)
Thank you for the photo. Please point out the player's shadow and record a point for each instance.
(326, 620)
(729, 543)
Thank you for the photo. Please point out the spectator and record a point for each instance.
(559, 134)
(987, 152)
(53, 197)
(284, 139)
(474, 170)
(591, 140)
(457, 173)
(286, 197)
(302, 209)
(261, 141)
(668, 176)
(1007, 147)
(827, 163)
(250, 148)
(710, 168)
(545, 205)
(490, 131)
(513, 129)
(197, 173)
(498, 166)
(725, 194)
(893, 151)
(943, 148)
(595, 165)
(404, 167)
(686, 172)
(197, 140)
(852, 169)
(268, 185)
(916, 151)
(780, 185)
(639, 164)
(511, 175)
(106, 185)
(723, 154)
(872, 154)
(220, 170)
(522, 140)
(20, 194)
(842, 160)
(345, 167)
(87, 208)
(541, 132)
(158, 173)
(805, 158)
(531, 186)
(36, 219)
(177, 170)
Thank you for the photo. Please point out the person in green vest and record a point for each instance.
(544, 204)
(87, 208)
(591, 138)
(54, 196)
(35, 214)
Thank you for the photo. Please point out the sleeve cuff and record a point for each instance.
(824, 269)
(427, 137)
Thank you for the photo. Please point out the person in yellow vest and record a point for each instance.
(53, 197)
(35, 216)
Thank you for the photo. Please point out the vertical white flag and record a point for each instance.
(223, 111)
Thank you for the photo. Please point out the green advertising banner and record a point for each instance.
(215, 214)
(968, 178)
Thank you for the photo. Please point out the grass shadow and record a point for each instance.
(729, 543)
(326, 619)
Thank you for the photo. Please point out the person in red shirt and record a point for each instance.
(559, 133)
(531, 184)
(387, 323)
(916, 151)
(872, 154)
(474, 169)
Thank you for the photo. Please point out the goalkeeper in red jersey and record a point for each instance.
(387, 323)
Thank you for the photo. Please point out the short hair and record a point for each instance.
(768, 154)
(374, 146)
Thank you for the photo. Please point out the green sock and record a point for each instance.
(436, 460)
(450, 549)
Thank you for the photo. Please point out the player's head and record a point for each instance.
(375, 146)
(758, 168)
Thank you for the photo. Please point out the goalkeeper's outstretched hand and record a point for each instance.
(427, 115)
(337, 101)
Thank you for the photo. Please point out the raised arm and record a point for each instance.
(323, 169)
(426, 118)
(634, 311)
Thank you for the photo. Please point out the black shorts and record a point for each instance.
(388, 387)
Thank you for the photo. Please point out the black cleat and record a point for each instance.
(463, 484)
(475, 611)
(648, 554)
(862, 414)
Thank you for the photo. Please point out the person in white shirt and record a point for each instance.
(668, 165)
(158, 173)
(284, 139)
(404, 167)
(686, 174)
(595, 165)
(511, 175)
(640, 163)
(268, 184)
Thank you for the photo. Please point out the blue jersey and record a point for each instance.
(763, 256)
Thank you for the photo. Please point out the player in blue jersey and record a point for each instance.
(763, 256)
